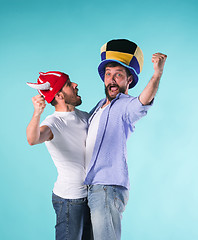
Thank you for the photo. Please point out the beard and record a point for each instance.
(74, 101)
(107, 89)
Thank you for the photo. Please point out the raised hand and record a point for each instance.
(39, 104)
(159, 60)
(151, 88)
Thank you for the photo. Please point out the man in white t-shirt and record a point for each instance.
(64, 133)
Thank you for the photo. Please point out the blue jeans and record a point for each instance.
(72, 219)
(107, 203)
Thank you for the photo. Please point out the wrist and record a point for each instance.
(157, 73)
(37, 114)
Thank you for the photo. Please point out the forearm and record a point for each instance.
(150, 90)
(33, 130)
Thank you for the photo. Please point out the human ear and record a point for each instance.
(130, 79)
(59, 96)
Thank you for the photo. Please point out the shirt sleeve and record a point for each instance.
(136, 110)
(48, 122)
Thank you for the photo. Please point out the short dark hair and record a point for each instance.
(115, 64)
(54, 102)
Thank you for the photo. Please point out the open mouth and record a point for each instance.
(76, 92)
(77, 95)
(113, 87)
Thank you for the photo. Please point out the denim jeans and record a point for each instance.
(72, 219)
(107, 203)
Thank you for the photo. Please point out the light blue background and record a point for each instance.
(162, 153)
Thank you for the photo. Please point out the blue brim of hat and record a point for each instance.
(101, 71)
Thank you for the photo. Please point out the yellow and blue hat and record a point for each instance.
(124, 52)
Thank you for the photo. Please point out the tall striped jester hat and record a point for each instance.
(124, 52)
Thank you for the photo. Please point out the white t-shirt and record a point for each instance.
(67, 149)
(92, 134)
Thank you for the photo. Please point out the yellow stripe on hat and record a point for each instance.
(122, 57)
(103, 48)
(140, 58)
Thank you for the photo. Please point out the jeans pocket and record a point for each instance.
(121, 199)
(119, 205)
(58, 204)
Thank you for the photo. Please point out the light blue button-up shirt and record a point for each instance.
(108, 165)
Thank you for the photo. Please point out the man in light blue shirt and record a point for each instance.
(111, 123)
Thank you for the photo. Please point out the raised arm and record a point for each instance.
(150, 90)
(35, 133)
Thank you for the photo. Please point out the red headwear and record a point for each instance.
(49, 83)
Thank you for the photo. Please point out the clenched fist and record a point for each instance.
(159, 60)
(39, 104)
